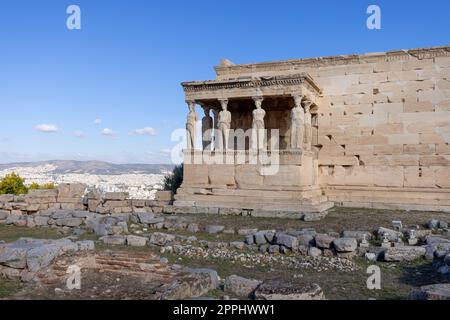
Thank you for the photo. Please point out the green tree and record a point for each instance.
(13, 184)
(174, 180)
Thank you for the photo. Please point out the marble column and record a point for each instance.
(258, 124)
(223, 125)
(191, 123)
(308, 124)
(297, 123)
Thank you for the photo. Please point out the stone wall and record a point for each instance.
(66, 197)
(384, 125)
(76, 197)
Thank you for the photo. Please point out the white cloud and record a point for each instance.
(166, 151)
(147, 131)
(79, 134)
(47, 128)
(107, 132)
(97, 121)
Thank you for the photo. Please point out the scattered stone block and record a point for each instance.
(392, 235)
(136, 241)
(324, 241)
(239, 286)
(370, 256)
(286, 240)
(274, 249)
(433, 224)
(229, 231)
(314, 252)
(41, 256)
(277, 290)
(114, 240)
(345, 244)
(13, 255)
(439, 291)
(86, 245)
(397, 225)
(246, 231)
(65, 245)
(264, 248)
(9, 273)
(193, 228)
(260, 237)
(358, 235)
(306, 240)
(212, 275)
(443, 224)
(250, 239)
(213, 229)
(237, 245)
(161, 239)
(404, 253)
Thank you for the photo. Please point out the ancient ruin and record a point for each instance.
(297, 136)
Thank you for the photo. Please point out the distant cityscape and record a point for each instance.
(140, 181)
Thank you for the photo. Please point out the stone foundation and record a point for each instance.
(420, 199)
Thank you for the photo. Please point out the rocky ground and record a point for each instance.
(221, 243)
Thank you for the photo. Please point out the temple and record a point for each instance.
(294, 138)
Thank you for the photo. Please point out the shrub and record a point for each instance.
(45, 186)
(34, 186)
(174, 180)
(48, 186)
(13, 184)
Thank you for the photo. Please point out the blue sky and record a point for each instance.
(126, 63)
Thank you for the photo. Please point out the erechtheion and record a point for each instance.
(300, 136)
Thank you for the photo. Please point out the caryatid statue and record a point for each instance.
(191, 122)
(258, 124)
(223, 125)
(297, 123)
(207, 126)
(308, 124)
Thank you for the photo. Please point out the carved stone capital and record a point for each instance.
(307, 104)
(191, 104)
(258, 101)
(223, 103)
(297, 100)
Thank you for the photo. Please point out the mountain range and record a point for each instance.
(93, 167)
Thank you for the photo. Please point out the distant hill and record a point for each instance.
(93, 167)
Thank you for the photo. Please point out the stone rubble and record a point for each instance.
(240, 286)
(27, 256)
(277, 290)
(439, 291)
